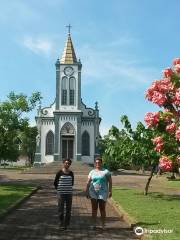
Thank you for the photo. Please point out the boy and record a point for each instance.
(63, 183)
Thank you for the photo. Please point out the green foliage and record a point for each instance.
(13, 122)
(111, 164)
(129, 148)
(28, 143)
(175, 78)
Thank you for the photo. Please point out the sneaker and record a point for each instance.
(103, 227)
(61, 225)
(92, 227)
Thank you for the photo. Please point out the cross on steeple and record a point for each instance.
(69, 28)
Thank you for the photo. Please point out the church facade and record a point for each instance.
(67, 128)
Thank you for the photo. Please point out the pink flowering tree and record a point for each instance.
(166, 123)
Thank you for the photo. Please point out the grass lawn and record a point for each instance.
(154, 211)
(11, 193)
(172, 183)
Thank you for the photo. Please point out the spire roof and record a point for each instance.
(68, 56)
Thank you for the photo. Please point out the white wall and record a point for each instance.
(89, 127)
(45, 128)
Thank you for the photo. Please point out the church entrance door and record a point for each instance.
(67, 147)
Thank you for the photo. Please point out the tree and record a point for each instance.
(28, 143)
(142, 153)
(166, 123)
(13, 121)
(116, 152)
(132, 148)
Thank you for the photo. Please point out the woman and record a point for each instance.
(98, 189)
(63, 183)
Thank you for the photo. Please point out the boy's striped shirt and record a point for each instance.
(64, 182)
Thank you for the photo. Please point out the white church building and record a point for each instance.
(67, 128)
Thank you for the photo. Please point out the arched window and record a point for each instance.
(50, 143)
(67, 129)
(71, 91)
(64, 91)
(85, 144)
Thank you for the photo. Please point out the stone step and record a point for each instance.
(78, 168)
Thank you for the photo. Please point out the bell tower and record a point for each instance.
(68, 112)
(68, 79)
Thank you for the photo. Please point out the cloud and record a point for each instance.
(114, 67)
(18, 12)
(123, 41)
(39, 45)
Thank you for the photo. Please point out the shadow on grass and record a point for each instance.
(11, 193)
(15, 187)
(158, 195)
(146, 223)
(120, 189)
(167, 197)
(173, 180)
(126, 173)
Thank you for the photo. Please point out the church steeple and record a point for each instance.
(69, 56)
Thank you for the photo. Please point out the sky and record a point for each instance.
(123, 45)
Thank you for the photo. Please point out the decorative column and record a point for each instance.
(96, 130)
(78, 138)
(58, 92)
(79, 85)
(56, 138)
(37, 160)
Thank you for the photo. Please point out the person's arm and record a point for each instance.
(72, 175)
(56, 180)
(87, 187)
(110, 185)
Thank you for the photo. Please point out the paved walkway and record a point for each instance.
(37, 218)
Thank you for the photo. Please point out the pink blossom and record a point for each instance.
(158, 147)
(159, 98)
(150, 91)
(175, 101)
(171, 127)
(176, 61)
(151, 119)
(158, 89)
(176, 98)
(157, 140)
(165, 163)
(178, 134)
(167, 72)
(165, 85)
(177, 94)
(177, 68)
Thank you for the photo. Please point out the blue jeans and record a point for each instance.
(62, 200)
